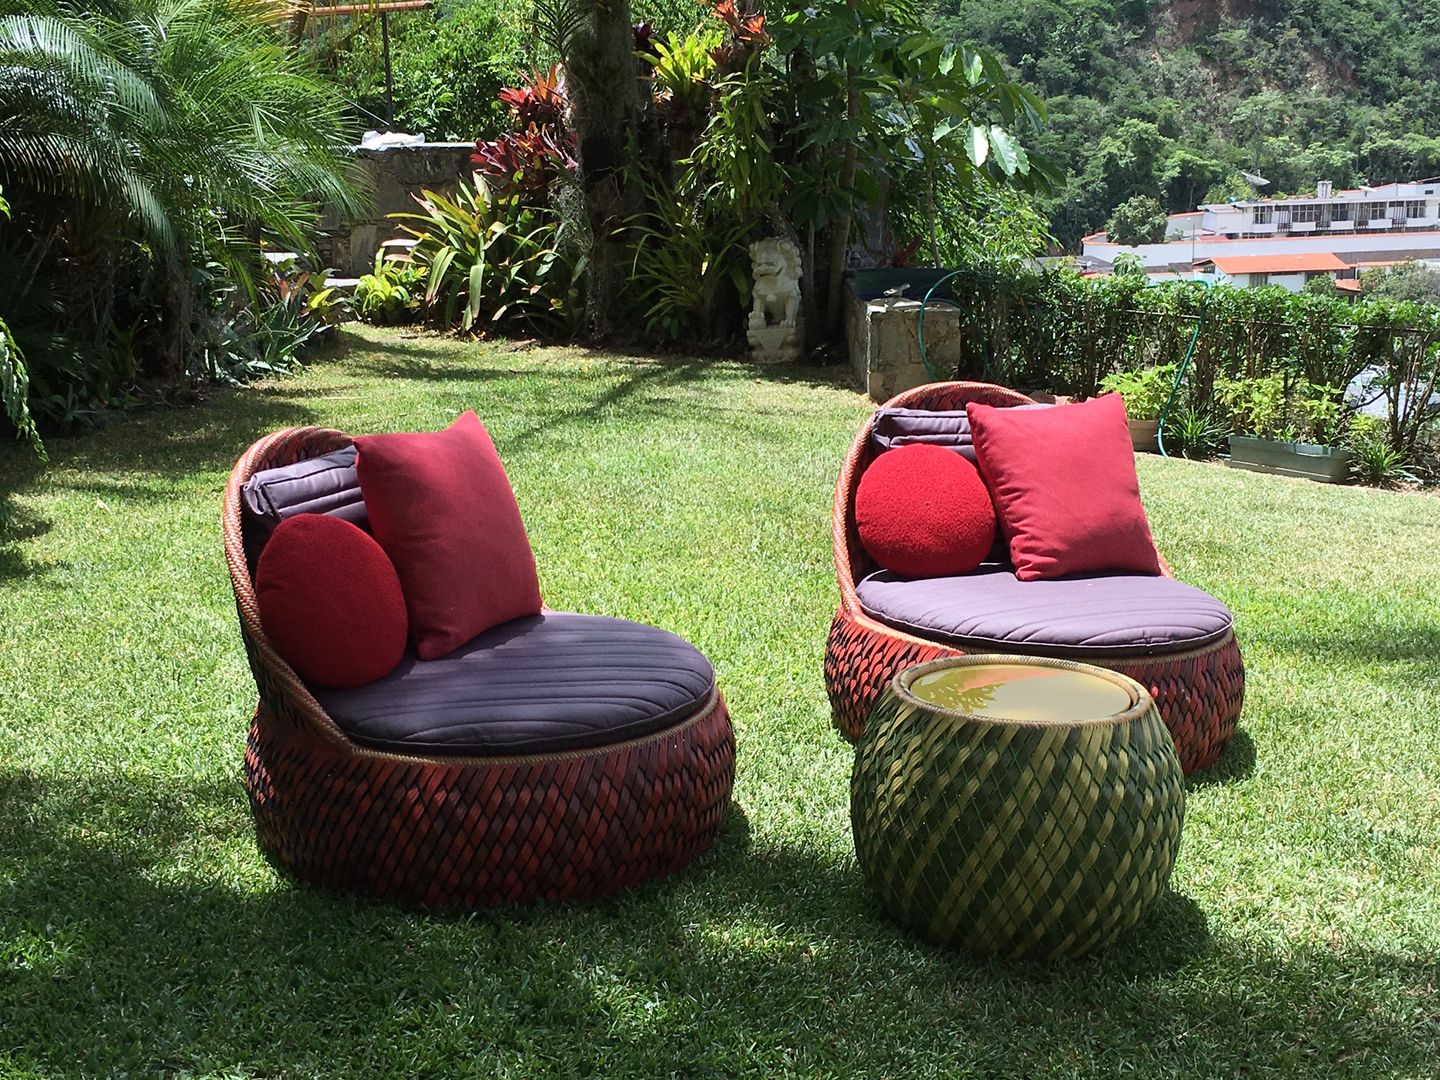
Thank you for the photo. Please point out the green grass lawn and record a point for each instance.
(142, 933)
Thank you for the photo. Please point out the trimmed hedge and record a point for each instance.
(1053, 329)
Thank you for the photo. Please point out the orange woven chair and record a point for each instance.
(442, 831)
(1199, 691)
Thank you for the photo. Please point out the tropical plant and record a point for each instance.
(1145, 390)
(681, 265)
(15, 380)
(165, 136)
(680, 70)
(391, 294)
(1374, 461)
(1198, 434)
(489, 259)
(243, 339)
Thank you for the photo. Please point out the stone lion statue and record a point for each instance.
(775, 263)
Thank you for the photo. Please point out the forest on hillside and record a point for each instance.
(1171, 98)
(1163, 99)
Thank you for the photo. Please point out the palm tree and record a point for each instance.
(184, 126)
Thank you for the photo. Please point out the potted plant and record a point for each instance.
(1145, 391)
(1289, 429)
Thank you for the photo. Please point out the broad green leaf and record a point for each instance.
(977, 146)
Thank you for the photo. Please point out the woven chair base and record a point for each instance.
(1199, 693)
(479, 832)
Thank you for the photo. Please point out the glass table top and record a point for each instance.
(1024, 692)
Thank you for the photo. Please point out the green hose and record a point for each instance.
(924, 356)
(1184, 367)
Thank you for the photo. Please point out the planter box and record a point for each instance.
(1144, 435)
(1325, 464)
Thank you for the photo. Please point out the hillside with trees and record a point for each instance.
(1170, 99)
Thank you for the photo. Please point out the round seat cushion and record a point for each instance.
(1095, 615)
(541, 684)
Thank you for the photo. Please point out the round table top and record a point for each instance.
(1026, 693)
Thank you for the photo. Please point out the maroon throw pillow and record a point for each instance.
(442, 508)
(923, 511)
(330, 601)
(1065, 490)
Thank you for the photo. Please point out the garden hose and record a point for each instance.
(1184, 367)
(924, 356)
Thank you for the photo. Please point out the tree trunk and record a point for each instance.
(604, 92)
(840, 228)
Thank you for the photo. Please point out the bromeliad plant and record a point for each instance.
(540, 151)
(489, 259)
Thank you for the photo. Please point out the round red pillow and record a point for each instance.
(330, 601)
(923, 511)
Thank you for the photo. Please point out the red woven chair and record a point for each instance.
(1199, 691)
(460, 832)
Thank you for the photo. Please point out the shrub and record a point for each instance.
(1145, 390)
(391, 294)
(1373, 461)
(489, 260)
(1197, 433)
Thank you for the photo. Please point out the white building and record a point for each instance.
(1292, 237)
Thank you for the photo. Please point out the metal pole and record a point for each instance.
(389, 84)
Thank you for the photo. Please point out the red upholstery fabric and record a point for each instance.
(442, 508)
(330, 600)
(1065, 489)
(923, 511)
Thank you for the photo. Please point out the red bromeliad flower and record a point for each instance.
(538, 100)
(529, 159)
(748, 28)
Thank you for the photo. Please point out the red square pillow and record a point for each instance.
(442, 508)
(330, 602)
(1065, 490)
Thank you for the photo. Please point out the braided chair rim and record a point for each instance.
(851, 560)
(262, 455)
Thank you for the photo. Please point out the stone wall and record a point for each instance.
(883, 338)
(397, 173)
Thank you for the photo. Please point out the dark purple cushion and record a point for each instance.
(319, 485)
(948, 428)
(540, 684)
(1079, 616)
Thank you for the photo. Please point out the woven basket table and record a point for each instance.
(1016, 807)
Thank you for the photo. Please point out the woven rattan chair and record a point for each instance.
(1199, 691)
(457, 831)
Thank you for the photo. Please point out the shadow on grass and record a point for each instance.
(1236, 763)
(172, 442)
(17, 525)
(420, 352)
(140, 931)
(1359, 641)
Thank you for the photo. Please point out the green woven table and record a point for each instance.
(1016, 807)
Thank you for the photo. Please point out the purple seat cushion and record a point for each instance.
(541, 684)
(948, 428)
(1095, 615)
(320, 485)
